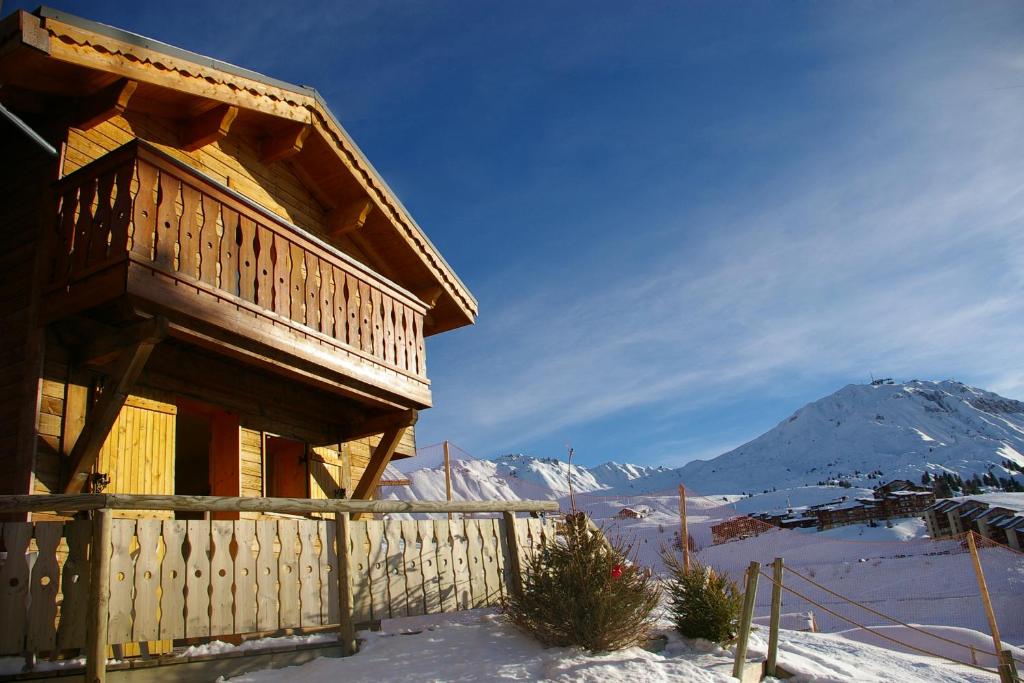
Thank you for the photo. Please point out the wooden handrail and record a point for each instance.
(124, 501)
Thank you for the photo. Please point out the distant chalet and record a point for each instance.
(999, 517)
(895, 500)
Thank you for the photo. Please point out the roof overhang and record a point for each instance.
(84, 56)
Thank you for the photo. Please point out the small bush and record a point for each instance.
(578, 591)
(703, 603)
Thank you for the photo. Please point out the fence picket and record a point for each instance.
(309, 574)
(75, 582)
(222, 575)
(428, 565)
(122, 579)
(172, 581)
(197, 579)
(266, 577)
(146, 626)
(288, 573)
(245, 576)
(42, 631)
(398, 601)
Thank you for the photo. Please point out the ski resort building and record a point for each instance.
(214, 329)
(999, 517)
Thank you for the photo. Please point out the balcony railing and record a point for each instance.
(140, 207)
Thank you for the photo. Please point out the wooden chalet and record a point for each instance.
(214, 321)
(209, 290)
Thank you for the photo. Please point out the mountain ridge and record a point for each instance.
(860, 435)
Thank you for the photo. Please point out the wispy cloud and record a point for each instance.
(896, 245)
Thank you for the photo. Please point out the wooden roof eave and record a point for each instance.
(82, 42)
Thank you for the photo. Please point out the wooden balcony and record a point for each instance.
(137, 229)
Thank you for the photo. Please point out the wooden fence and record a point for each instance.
(167, 579)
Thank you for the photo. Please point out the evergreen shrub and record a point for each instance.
(702, 602)
(579, 591)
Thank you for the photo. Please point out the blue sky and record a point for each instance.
(683, 221)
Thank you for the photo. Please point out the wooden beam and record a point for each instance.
(105, 104)
(104, 413)
(285, 143)
(349, 218)
(208, 127)
(382, 423)
(429, 295)
(378, 463)
(107, 346)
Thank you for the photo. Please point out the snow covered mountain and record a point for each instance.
(518, 476)
(901, 430)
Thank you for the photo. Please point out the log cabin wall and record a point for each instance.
(25, 176)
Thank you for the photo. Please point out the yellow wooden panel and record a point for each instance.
(138, 454)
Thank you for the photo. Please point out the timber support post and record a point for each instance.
(749, 596)
(684, 531)
(1005, 672)
(99, 598)
(447, 475)
(346, 626)
(512, 542)
(773, 628)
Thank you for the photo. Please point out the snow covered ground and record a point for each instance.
(481, 646)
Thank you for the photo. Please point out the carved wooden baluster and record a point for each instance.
(209, 240)
(264, 267)
(312, 291)
(83, 225)
(400, 335)
(144, 212)
(167, 218)
(100, 231)
(365, 318)
(229, 251)
(389, 329)
(421, 347)
(378, 323)
(247, 259)
(188, 233)
(64, 236)
(326, 298)
(340, 313)
(120, 217)
(297, 291)
(352, 301)
(282, 276)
